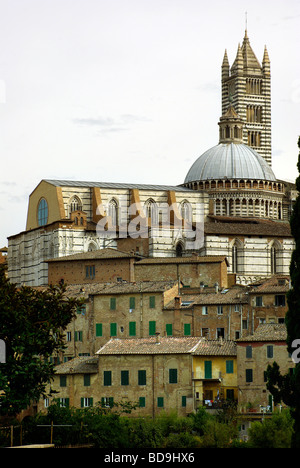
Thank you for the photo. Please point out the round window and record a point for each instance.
(42, 212)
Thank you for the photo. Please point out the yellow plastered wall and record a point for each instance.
(53, 196)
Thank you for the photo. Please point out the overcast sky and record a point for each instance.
(130, 90)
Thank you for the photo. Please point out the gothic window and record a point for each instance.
(186, 211)
(151, 212)
(275, 258)
(42, 212)
(179, 249)
(237, 256)
(75, 204)
(113, 212)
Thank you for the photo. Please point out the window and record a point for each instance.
(172, 375)
(229, 367)
(204, 310)
(132, 328)
(270, 351)
(81, 309)
(113, 303)
(132, 303)
(42, 212)
(78, 335)
(258, 301)
(249, 352)
(86, 380)
(152, 327)
(220, 332)
(63, 381)
(69, 336)
(249, 375)
(86, 402)
(113, 329)
(64, 402)
(75, 204)
(280, 300)
(142, 377)
(207, 369)
(183, 401)
(152, 302)
(107, 402)
(90, 271)
(160, 402)
(142, 402)
(124, 377)
(169, 329)
(99, 329)
(220, 310)
(107, 378)
(187, 329)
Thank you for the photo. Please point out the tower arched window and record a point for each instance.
(237, 256)
(113, 212)
(75, 204)
(151, 212)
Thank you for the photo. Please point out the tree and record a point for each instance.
(287, 388)
(32, 321)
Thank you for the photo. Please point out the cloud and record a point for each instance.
(109, 124)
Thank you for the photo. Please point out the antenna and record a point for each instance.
(246, 21)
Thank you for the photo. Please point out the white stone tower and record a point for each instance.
(247, 86)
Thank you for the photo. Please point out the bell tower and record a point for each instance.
(247, 86)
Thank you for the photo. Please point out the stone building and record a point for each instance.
(254, 353)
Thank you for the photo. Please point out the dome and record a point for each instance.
(230, 161)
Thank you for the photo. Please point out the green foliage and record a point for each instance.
(275, 432)
(32, 325)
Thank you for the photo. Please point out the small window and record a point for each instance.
(258, 301)
(280, 300)
(249, 352)
(107, 378)
(152, 302)
(187, 329)
(220, 310)
(113, 329)
(132, 303)
(152, 327)
(183, 401)
(63, 380)
(142, 402)
(204, 310)
(270, 351)
(142, 377)
(90, 271)
(169, 329)
(86, 380)
(160, 402)
(124, 377)
(172, 376)
(78, 335)
(229, 367)
(132, 328)
(249, 375)
(86, 402)
(113, 303)
(42, 212)
(99, 329)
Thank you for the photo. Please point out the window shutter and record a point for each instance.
(152, 327)
(160, 402)
(169, 329)
(229, 367)
(113, 329)
(142, 402)
(113, 303)
(207, 369)
(124, 377)
(98, 329)
(132, 303)
(152, 302)
(132, 328)
(142, 377)
(172, 375)
(107, 378)
(187, 329)
(183, 401)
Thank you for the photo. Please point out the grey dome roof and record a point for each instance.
(230, 161)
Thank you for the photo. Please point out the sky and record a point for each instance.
(130, 90)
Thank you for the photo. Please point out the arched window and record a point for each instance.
(275, 258)
(75, 204)
(237, 256)
(113, 212)
(42, 212)
(186, 211)
(151, 212)
(179, 249)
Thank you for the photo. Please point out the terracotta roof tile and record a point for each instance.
(79, 365)
(216, 348)
(150, 345)
(267, 332)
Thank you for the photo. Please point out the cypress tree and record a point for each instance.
(286, 388)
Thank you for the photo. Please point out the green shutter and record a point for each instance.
(142, 377)
(86, 380)
(107, 378)
(82, 402)
(98, 329)
(187, 329)
(183, 401)
(172, 375)
(142, 402)
(160, 402)
(132, 303)
(169, 329)
(207, 369)
(113, 329)
(229, 367)
(111, 401)
(132, 328)
(124, 377)
(63, 380)
(152, 327)
(152, 302)
(113, 303)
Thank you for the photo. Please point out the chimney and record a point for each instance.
(157, 336)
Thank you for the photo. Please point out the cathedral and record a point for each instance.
(229, 204)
